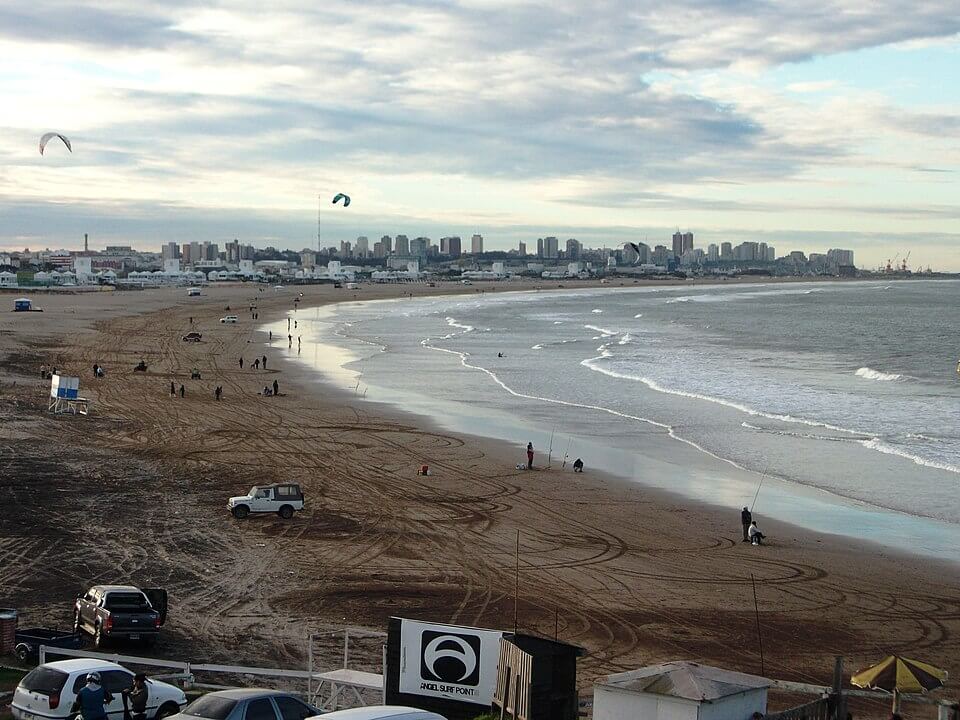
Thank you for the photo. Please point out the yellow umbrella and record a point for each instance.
(897, 675)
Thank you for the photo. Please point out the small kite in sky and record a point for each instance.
(50, 135)
(340, 196)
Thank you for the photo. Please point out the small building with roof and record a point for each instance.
(680, 691)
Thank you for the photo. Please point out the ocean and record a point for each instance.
(835, 405)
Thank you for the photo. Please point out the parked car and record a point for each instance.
(47, 692)
(120, 611)
(282, 499)
(193, 292)
(228, 319)
(382, 712)
(247, 704)
(192, 337)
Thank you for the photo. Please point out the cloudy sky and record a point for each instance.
(806, 124)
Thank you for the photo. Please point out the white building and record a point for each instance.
(679, 691)
(8, 279)
(171, 265)
(476, 245)
(840, 257)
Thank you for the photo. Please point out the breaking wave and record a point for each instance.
(871, 374)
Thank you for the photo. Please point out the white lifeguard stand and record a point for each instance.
(65, 396)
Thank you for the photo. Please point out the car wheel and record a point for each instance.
(286, 512)
(22, 652)
(98, 639)
(241, 511)
(166, 710)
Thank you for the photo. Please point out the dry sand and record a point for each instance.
(136, 492)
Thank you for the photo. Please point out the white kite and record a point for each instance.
(49, 136)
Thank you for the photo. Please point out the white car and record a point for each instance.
(282, 499)
(383, 712)
(47, 692)
(229, 319)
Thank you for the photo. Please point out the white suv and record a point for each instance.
(228, 319)
(282, 499)
(48, 691)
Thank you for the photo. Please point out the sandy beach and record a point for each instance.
(136, 492)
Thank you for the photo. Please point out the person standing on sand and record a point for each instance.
(264, 362)
(288, 323)
(746, 517)
(271, 336)
(256, 364)
(241, 363)
(182, 391)
(529, 456)
(173, 389)
(218, 392)
(276, 388)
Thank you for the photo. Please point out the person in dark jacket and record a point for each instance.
(91, 699)
(745, 519)
(529, 456)
(276, 388)
(136, 697)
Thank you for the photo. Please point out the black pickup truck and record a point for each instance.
(120, 611)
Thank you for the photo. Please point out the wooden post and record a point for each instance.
(839, 699)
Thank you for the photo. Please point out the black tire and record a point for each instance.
(22, 652)
(241, 511)
(98, 638)
(286, 512)
(166, 710)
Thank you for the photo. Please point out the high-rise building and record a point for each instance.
(660, 255)
(726, 251)
(378, 249)
(196, 252)
(387, 242)
(454, 248)
(418, 247)
(540, 247)
(308, 259)
(169, 251)
(574, 248)
(551, 247)
(747, 251)
(713, 252)
(362, 247)
(687, 240)
(346, 250)
(840, 257)
(476, 245)
(185, 258)
(402, 245)
(677, 244)
(522, 249)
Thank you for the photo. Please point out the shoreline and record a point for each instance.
(631, 574)
(794, 503)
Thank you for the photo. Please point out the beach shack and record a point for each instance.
(680, 691)
(22, 305)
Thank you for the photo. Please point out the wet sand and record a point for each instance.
(136, 492)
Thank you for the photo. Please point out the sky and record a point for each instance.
(803, 124)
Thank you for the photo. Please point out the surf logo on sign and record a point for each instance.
(450, 658)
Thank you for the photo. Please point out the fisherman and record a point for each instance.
(276, 388)
(256, 364)
(91, 699)
(137, 696)
(529, 456)
(241, 363)
(95, 368)
(266, 391)
(745, 519)
(578, 465)
(756, 537)
(182, 391)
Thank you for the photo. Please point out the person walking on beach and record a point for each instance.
(241, 363)
(182, 391)
(173, 389)
(256, 364)
(529, 456)
(218, 392)
(271, 336)
(745, 519)
(276, 388)
(264, 362)
(289, 340)
(288, 323)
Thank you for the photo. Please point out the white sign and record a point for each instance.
(450, 662)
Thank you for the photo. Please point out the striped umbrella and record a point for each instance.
(897, 675)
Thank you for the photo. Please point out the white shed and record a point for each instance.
(8, 279)
(679, 691)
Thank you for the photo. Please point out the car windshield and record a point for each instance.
(213, 707)
(253, 491)
(44, 680)
(127, 601)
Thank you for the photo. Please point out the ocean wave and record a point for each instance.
(602, 331)
(536, 347)
(871, 374)
(880, 446)
(624, 339)
(678, 300)
(638, 315)
(452, 322)
(558, 322)
(596, 310)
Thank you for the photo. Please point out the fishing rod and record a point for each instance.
(550, 449)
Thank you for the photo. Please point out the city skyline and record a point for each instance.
(799, 128)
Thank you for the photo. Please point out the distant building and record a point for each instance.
(574, 249)
(450, 246)
(402, 246)
(169, 251)
(540, 247)
(551, 247)
(308, 259)
(362, 247)
(386, 243)
(840, 257)
(687, 241)
(713, 253)
(419, 246)
(522, 249)
(660, 255)
(726, 251)
(476, 245)
(346, 249)
(677, 244)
